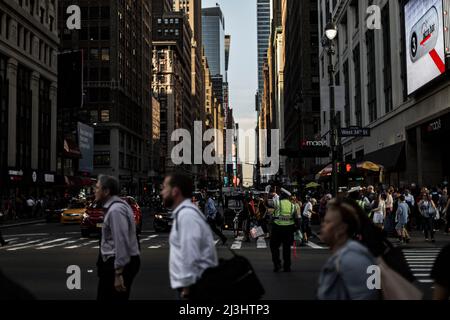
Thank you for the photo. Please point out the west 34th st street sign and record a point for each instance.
(354, 132)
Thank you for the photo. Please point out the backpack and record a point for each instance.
(233, 277)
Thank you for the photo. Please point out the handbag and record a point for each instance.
(393, 257)
(256, 232)
(233, 278)
(394, 286)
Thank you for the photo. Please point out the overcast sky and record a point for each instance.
(240, 23)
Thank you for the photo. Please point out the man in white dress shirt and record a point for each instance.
(192, 247)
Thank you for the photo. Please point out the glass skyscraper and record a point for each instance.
(213, 33)
(263, 20)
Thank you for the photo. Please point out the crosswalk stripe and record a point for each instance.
(261, 244)
(23, 245)
(28, 234)
(426, 281)
(236, 245)
(420, 269)
(154, 247)
(57, 245)
(11, 239)
(52, 241)
(148, 238)
(421, 275)
(81, 245)
(313, 245)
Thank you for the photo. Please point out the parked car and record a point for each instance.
(93, 218)
(74, 213)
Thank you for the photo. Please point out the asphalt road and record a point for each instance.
(39, 255)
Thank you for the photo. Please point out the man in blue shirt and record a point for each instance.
(401, 218)
(211, 214)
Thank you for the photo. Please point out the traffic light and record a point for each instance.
(351, 167)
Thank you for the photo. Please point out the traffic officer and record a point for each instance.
(283, 229)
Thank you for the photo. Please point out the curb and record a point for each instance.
(7, 226)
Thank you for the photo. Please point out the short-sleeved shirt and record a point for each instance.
(307, 210)
(441, 269)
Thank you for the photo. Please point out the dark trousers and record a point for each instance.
(2, 241)
(216, 230)
(106, 274)
(428, 227)
(447, 225)
(281, 235)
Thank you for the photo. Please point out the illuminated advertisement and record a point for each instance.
(425, 55)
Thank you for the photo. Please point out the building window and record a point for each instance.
(347, 94)
(52, 21)
(105, 54)
(102, 137)
(355, 9)
(44, 135)
(104, 116)
(387, 59)
(121, 160)
(371, 77)
(93, 33)
(4, 110)
(358, 106)
(94, 12)
(93, 54)
(104, 33)
(23, 118)
(105, 14)
(42, 15)
(102, 159)
(93, 116)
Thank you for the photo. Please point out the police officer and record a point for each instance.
(283, 228)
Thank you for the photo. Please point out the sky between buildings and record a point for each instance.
(240, 23)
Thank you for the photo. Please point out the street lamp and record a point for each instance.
(328, 42)
(331, 31)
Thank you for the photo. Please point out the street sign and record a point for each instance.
(354, 132)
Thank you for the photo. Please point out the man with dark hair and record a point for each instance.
(192, 247)
(213, 216)
(118, 261)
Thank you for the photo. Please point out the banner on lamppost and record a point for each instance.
(86, 145)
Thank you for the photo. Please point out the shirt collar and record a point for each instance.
(185, 203)
(108, 203)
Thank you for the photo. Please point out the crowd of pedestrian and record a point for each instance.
(355, 225)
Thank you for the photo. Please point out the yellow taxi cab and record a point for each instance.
(74, 213)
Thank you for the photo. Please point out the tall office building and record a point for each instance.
(116, 42)
(193, 10)
(301, 79)
(263, 28)
(213, 30)
(28, 96)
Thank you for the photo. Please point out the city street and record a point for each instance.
(38, 256)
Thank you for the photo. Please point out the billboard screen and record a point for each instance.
(86, 144)
(425, 54)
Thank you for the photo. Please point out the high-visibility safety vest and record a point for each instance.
(284, 213)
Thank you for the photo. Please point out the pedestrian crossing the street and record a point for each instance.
(148, 241)
(421, 262)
